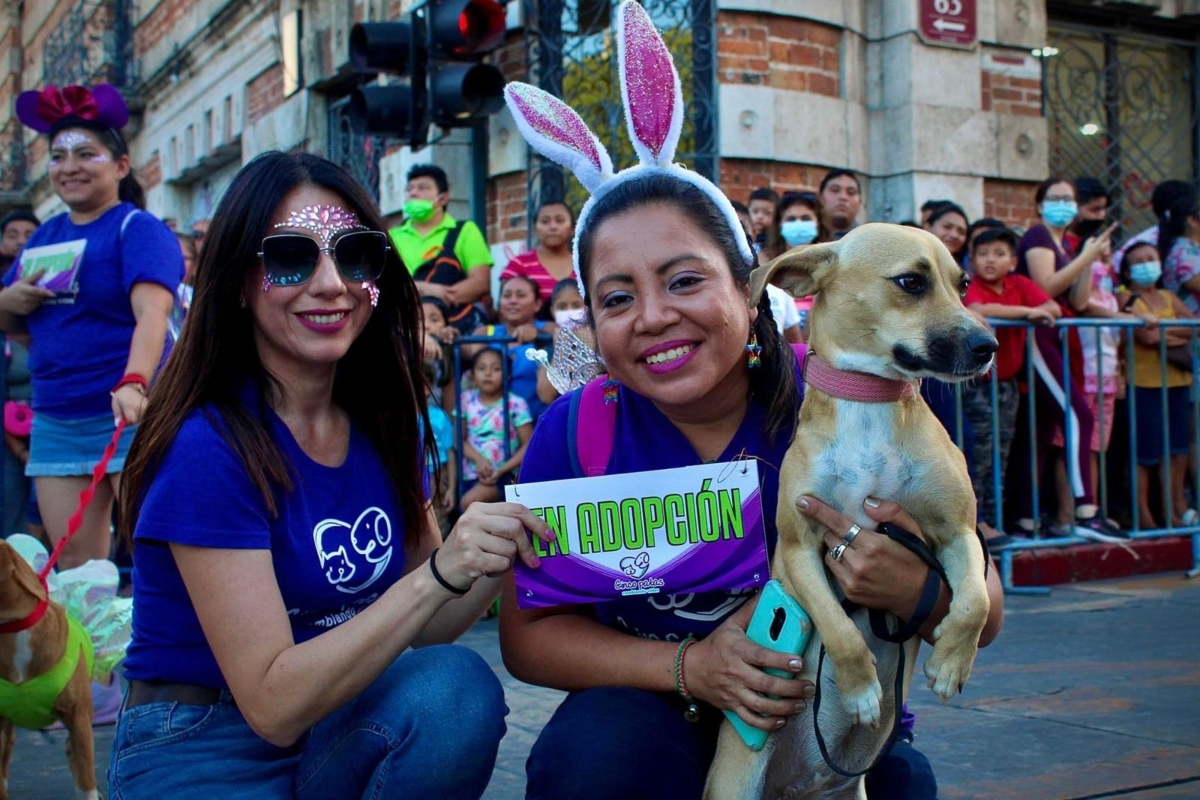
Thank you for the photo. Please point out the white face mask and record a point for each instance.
(570, 316)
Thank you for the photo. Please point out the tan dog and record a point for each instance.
(28, 654)
(888, 303)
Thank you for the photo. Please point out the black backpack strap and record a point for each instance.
(451, 242)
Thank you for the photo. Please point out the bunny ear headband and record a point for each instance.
(102, 104)
(653, 100)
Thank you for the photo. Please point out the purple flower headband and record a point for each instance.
(653, 100)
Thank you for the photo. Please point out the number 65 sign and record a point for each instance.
(949, 23)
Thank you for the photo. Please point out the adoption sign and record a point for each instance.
(674, 531)
(59, 264)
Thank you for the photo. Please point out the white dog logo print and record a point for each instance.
(348, 552)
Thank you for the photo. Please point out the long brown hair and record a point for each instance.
(378, 382)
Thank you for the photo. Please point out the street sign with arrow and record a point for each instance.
(949, 23)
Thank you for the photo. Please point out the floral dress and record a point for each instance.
(485, 427)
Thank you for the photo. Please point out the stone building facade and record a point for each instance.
(790, 90)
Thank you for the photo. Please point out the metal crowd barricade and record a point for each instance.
(1038, 541)
(542, 340)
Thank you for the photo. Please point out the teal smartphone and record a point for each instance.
(778, 623)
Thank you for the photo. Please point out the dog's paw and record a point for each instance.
(947, 675)
(864, 705)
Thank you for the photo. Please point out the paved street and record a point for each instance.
(1091, 692)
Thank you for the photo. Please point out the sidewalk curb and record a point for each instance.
(1094, 562)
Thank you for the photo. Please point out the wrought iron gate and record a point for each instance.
(570, 53)
(1123, 109)
(358, 153)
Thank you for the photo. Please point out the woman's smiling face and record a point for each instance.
(671, 322)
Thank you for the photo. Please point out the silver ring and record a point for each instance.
(851, 534)
(837, 552)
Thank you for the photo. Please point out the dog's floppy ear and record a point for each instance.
(798, 271)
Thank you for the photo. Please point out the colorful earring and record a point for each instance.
(610, 387)
(266, 284)
(372, 290)
(752, 350)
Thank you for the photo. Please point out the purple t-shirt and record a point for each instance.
(81, 338)
(1039, 236)
(336, 544)
(646, 440)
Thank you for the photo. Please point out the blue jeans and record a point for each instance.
(429, 726)
(628, 744)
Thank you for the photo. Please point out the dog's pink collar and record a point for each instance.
(857, 386)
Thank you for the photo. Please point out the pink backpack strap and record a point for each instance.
(591, 429)
(801, 351)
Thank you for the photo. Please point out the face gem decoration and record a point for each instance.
(325, 221)
(70, 140)
(266, 284)
(372, 290)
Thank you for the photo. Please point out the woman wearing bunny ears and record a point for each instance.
(697, 375)
(93, 288)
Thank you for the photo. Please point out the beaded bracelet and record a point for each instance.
(692, 712)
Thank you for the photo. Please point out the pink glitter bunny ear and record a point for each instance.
(650, 87)
(553, 129)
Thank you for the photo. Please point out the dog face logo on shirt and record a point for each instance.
(354, 556)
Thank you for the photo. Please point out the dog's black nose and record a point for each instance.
(982, 344)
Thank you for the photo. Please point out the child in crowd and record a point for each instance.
(486, 465)
(570, 315)
(764, 224)
(520, 301)
(442, 475)
(996, 292)
(1143, 293)
(436, 343)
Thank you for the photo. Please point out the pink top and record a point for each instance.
(528, 265)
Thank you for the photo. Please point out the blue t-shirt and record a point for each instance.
(336, 545)
(443, 436)
(646, 440)
(81, 338)
(523, 373)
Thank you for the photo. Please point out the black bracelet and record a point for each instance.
(437, 576)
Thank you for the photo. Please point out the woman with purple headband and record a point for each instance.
(93, 288)
(698, 375)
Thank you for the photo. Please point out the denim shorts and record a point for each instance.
(62, 447)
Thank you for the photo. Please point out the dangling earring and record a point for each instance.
(610, 387)
(372, 290)
(752, 351)
(266, 284)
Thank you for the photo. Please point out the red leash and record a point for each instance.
(73, 525)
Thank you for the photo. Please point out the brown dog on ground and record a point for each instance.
(888, 304)
(36, 651)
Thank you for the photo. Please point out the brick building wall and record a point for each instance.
(264, 94)
(740, 176)
(1010, 201)
(780, 52)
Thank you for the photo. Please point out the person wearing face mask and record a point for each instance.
(1066, 277)
(550, 262)
(1145, 294)
(800, 215)
(448, 258)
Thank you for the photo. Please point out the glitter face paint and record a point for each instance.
(325, 221)
(71, 140)
(373, 291)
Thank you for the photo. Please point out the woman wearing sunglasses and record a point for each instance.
(287, 555)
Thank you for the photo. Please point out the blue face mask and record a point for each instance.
(798, 231)
(1059, 213)
(1145, 274)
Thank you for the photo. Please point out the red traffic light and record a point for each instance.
(462, 28)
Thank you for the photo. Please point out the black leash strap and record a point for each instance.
(879, 627)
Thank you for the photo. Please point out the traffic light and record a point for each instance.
(397, 109)
(462, 89)
(440, 49)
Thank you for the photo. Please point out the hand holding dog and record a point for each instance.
(726, 670)
(874, 571)
(487, 541)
